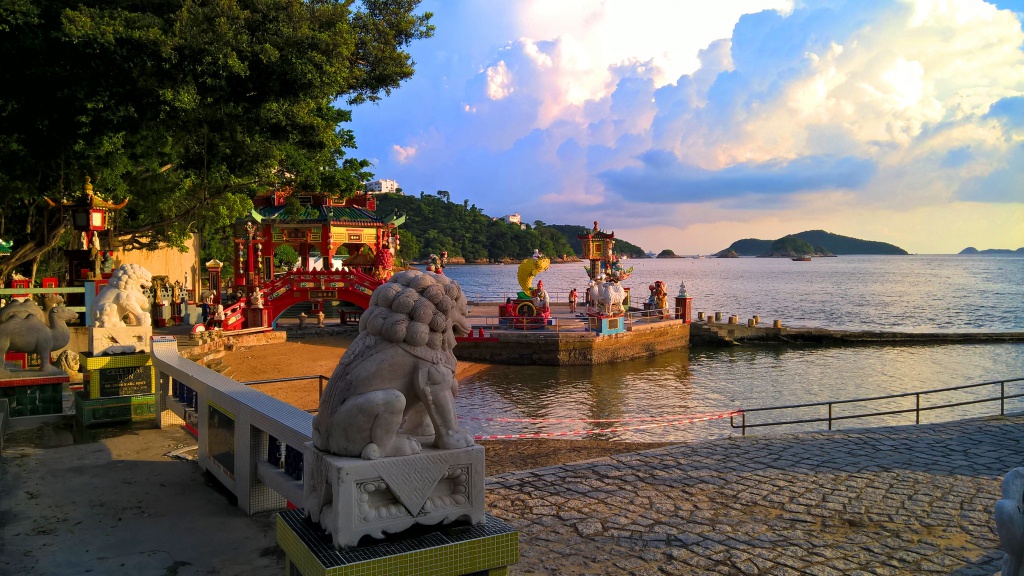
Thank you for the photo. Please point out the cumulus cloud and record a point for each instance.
(403, 154)
(894, 105)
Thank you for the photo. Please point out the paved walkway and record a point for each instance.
(898, 500)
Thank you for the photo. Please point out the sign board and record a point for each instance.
(323, 294)
(125, 381)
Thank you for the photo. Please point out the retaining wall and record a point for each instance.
(575, 348)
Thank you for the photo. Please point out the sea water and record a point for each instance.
(637, 399)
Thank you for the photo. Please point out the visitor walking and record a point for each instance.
(572, 300)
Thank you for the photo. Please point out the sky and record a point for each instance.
(687, 125)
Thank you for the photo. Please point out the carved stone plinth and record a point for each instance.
(119, 339)
(351, 497)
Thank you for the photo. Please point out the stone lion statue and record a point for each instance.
(400, 368)
(123, 296)
(1009, 515)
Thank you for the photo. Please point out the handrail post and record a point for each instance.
(917, 410)
(829, 415)
(320, 384)
(743, 423)
(1002, 397)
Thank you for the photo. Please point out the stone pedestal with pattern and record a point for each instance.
(359, 497)
(119, 339)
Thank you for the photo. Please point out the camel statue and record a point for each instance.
(30, 334)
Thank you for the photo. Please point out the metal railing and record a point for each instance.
(653, 315)
(556, 297)
(6, 292)
(916, 410)
(320, 378)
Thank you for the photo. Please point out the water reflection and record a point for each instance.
(677, 384)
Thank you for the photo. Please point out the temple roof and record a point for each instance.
(598, 234)
(344, 215)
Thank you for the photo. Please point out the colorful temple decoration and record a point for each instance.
(317, 224)
(598, 247)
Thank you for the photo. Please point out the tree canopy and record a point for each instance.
(435, 224)
(185, 108)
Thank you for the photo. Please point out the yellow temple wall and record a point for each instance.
(170, 262)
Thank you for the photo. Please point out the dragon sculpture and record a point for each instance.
(528, 270)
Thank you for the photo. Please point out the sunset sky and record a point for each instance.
(687, 125)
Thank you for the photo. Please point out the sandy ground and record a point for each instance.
(313, 356)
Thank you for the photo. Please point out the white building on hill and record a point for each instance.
(382, 187)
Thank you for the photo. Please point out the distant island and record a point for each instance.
(973, 250)
(810, 243)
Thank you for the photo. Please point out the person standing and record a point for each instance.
(572, 300)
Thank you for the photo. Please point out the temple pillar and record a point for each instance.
(304, 255)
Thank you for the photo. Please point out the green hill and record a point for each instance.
(973, 250)
(821, 243)
(434, 223)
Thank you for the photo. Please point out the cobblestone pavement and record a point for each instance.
(895, 500)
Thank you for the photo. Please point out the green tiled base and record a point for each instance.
(452, 550)
(114, 410)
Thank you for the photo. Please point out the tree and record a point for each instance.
(285, 256)
(187, 108)
(408, 246)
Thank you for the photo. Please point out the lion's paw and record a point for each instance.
(403, 445)
(452, 439)
(371, 452)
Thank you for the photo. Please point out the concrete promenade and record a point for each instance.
(896, 500)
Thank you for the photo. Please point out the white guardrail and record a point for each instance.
(238, 429)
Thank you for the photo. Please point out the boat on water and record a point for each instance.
(801, 259)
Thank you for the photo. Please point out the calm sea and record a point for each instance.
(898, 293)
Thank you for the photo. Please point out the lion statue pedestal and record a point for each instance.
(388, 495)
(369, 469)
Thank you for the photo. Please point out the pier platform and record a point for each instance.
(568, 338)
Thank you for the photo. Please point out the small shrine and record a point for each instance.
(607, 300)
(598, 247)
(90, 215)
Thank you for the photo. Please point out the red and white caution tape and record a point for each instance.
(606, 430)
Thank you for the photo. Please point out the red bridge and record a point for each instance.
(301, 286)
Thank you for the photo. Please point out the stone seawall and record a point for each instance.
(215, 343)
(575, 348)
(722, 334)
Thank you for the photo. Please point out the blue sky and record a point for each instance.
(690, 124)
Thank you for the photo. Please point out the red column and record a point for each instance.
(684, 308)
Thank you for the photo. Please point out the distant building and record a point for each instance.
(513, 218)
(382, 187)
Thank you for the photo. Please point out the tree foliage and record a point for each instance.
(436, 224)
(186, 108)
